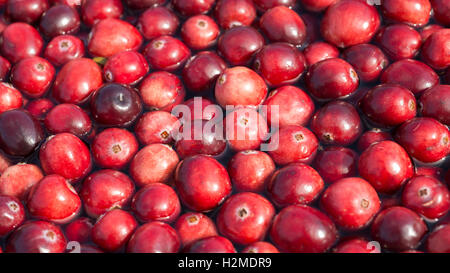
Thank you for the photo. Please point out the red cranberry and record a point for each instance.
(66, 155)
(425, 139)
(111, 36)
(166, 53)
(428, 30)
(154, 163)
(17, 180)
(281, 24)
(293, 144)
(386, 165)
(320, 51)
(64, 48)
(142, 4)
(19, 41)
(10, 98)
(59, 20)
(332, 79)
(439, 240)
(355, 245)
(157, 21)
(202, 182)
(26, 11)
(334, 163)
(435, 51)
(79, 230)
(162, 91)
(5, 67)
(202, 70)
(441, 10)
(126, 67)
(93, 11)
(192, 7)
(156, 127)
(214, 244)
(68, 118)
(208, 109)
(37, 237)
(280, 64)
(199, 32)
(231, 13)
(39, 108)
(239, 44)
(399, 41)
(5, 162)
(294, 184)
(154, 237)
(12, 214)
(113, 230)
(342, 30)
(260, 247)
(432, 171)
(370, 137)
(317, 5)
(20, 133)
(435, 103)
(240, 86)
(398, 229)
(368, 61)
(193, 226)
(414, 12)
(72, 3)
(303, 229)
(337, 123)
(114, 148)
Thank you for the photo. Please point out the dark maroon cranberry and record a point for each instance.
(157, 21)
(10, 97)
(17, 180)
(435, 103)
(192, 7)
(260, 247)
(126, 67)
(435, 51)
(199, 32)
(26, 11)
(231, 13)
(368, 61)
(154, 237)
(68, 118)
(281, 24)
(64, 48)
(370, 137)
(5, 67)
(12, 214)
(59, 20)
(193, 226)
(317, 5)
(166, 53)
(39, 108)
(214, 244)
(20, 133)
(334, 163)
(19, 41)
(414, 12)
(239, 44)
(356, 245)
(398, 228)
(142, 4)
(93, 11)
(32, 76)
(441, 10)
(156, 127)
(399, 41)
(439, 240)
(320, 51)
(79, 230)
(312, 24)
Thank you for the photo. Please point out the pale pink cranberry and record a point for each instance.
(199, 32)
(156, 127)
(17, 180)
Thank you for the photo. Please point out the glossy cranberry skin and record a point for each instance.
(432, 171)
(37, 237)
(10, 97)
(162, 91)
(399, 41)
(435, 103)
(260, 247)
(157, 21)
(68, 118)
(320, 51)
(355, 245)
(280, 64)
(5, 67)
(154, 237)
(231, 13)
(79, 230)
(20, 133)
(294, 184)
(317, 5)
(342, 30)
(39, 108)
(389, 105)
(214, 244)
(64, 48)
(156, 127)
(113, 230)
(166, 53)
(386, 166)
(59, 20)
(441, 10)
(370, 137)
(126, 67)
(199, 32)
(303, 229)
(142, 4)
(20, 41)
(193, 226)
(415, 12)
(66, 155)
(111, 36)
(281, 24)
(295, 144)
(33, 76)
(17, 180)
(368, 61)
(192, 7)
(425, 139)
(114, 148)
(209, 110)
(331, 79)
(202, 70)
(439, 240)
(334, 163)
(398, 229)
(426, 31)
(414, 75)
(26, 11)
(240, 86)
(93, 11)
(154, 163)
(12, 214)
(239, 44)
(198, 189)
(435, 51)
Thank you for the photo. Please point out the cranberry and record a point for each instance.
(441, 10)
(239, 44)
(414, 12)
(214, 244)
(208, 109)
(19, 41)
(59, 20)
(425, 139)
(66, 155)
(432, 171)
(342, 30)
(293, 144)
(37, 237)
(39, 108)
(68, 118)
(157, 21)
(199, 32)
(312, 24)
(156, 127)
(428, 30)
(154, 163)
(399, 41)
(332, 79)
(193, 226)
(320, 51)
(280, 64)
(126, 67)
(192, 7)
(111, 36)
(260, 247)
(435, 103)
(166, 53)
(12, 214)
(435, 51)
(355, 245)
(162, 91)
(113, 229)
(142, 4)
(398, 228)
(368, 61)
(386, 165)
(202, 183)
(5, 67)
(334, 163)
(370, 137)
(72, 3)
(26, 11)
(17, 180)
(154, 237)
(317, 5)
(79, 230)
(20, 133)
(202, 70)
(64, 48)
(281, 24)
(10, 98)
(95, 10)
(239, 86)
(231, 13)
(439, 240)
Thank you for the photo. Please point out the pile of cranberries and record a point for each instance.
(92, 159)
